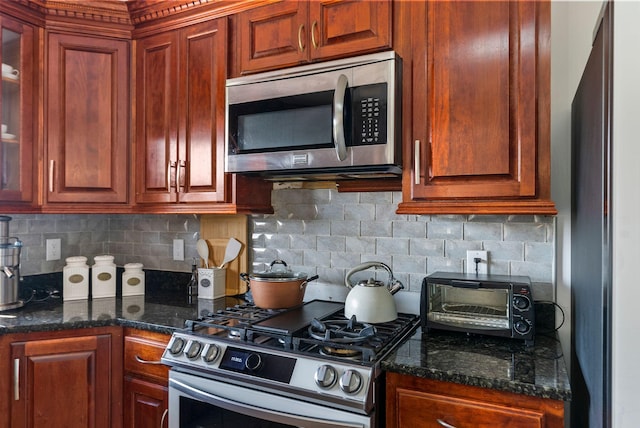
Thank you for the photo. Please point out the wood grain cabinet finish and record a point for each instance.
(180, 93)
(17, 109)
(62, 379)
(87, 119)
(479, 101)
(413, 402)
(294, 32)
(146, 394)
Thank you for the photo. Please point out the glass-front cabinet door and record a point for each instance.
(16, 110)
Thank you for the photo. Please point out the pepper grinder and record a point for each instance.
(192, 286)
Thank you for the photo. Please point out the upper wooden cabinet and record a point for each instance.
(180, 90)
(293, 32)
(87, 119)
(476, 86)
(18, 87)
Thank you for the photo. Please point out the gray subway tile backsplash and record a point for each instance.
(319, 231)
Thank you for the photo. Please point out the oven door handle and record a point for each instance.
(255, 411)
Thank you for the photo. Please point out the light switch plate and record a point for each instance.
(178, 249)
(53, 249)
(483, 265)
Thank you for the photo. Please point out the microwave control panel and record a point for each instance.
(369, 107)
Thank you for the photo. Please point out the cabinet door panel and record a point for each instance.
(63, 382)
(477, 97)
(156, 113)
(202, 153)
(273, 36)
(16, 108)
(87, 123)
(145, 404)
(339, 28)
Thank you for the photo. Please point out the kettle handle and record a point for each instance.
(365, 266)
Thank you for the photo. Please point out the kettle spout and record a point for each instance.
(395, 287)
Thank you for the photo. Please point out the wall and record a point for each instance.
(325, 232)
(130, 238)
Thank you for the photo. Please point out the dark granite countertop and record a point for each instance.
(488, 362)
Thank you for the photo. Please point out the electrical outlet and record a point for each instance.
(178, 249)
(53, 249)
(483, 265)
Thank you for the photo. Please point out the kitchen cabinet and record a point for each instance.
(146, 395)
(476, 102)
(413, 401)
(87, 119)
(180, 93)
(295, 32)
(63, 379)
(17, 109)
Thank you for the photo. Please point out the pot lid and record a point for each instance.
(282, 273)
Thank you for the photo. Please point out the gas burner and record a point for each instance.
(341, 331)
(332, 351)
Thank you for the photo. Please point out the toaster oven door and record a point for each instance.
(468, 308)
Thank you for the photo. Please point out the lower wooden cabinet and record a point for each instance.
(146, 395)
(415, 402)
(68, 379)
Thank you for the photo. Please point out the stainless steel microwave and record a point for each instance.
(331, 120)
(496, 305)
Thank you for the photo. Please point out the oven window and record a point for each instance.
(196, 414)
(468, 307)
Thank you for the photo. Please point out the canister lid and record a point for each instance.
(105, 258)
(133, 266)
(76, 260)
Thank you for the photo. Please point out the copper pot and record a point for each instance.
(277, 289)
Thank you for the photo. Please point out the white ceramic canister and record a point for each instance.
(132, 279)
(75, 278)
(103, 277)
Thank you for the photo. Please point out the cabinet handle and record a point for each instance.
(51, 165)
(416, 161)
(444, 424)
(143, 361)
(164, 416)
(300, 45)
(169, 176)
(314, 28)
(16, 379)
(178, 163)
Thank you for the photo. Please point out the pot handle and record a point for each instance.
(365, 266)
(245, 277)
(311, 278)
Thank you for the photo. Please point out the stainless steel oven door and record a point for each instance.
(197, 401)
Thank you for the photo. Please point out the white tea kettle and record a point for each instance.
(371, 301)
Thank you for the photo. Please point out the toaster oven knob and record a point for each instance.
(210, 355)
(193, 350)
(522, 327)
(325, 376)
(351, 381)
(520, 302)
(176, 346)
(253, 362)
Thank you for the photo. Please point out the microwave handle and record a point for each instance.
(338, 117)
(466, 284)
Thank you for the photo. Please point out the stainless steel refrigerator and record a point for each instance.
(591, 226)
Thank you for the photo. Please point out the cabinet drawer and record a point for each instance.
(142, 356)
(431, 410)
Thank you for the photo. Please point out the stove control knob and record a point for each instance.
(326, 376)
(193, 350)
(351, 381)
(211, 353)
(253, 362)
(176, 346)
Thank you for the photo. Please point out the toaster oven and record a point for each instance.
(496, 305)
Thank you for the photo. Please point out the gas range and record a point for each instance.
(311, 352)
